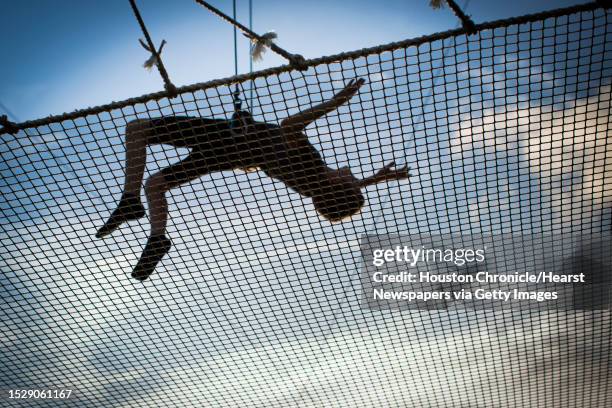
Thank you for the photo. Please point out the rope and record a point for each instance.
(295, 60)
(483, 143)
(9, 113)
(155, 54)
(8, 126)
(237, 101)
(235, 41)
(466, 22)
(250, 56)
(236, 93)
(312, 62)
(419, 118)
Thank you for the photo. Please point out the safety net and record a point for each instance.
(259, 301)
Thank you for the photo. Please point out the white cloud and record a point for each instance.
(395, 365)
(566, 147)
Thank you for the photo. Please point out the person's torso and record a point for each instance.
(292, 160)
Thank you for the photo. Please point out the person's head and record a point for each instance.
(342, 198)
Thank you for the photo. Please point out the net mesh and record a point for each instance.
(257, 302)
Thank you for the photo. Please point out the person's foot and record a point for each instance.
(129, 208)
(157, 246)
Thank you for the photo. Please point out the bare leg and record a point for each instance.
(155, 190)
(130, 207)
(135, 155)
(192, 167)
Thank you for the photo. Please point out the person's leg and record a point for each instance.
(158, 245)
(130, 206)
(136, 141)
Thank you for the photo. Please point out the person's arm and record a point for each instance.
(387, 173)
(299, 121)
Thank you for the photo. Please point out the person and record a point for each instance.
(282, 152)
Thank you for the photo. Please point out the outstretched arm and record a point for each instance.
(302, 119)
(387, 173)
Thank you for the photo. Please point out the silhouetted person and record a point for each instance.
(281, 152)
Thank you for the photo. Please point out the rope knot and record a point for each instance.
(154, 58)
(298, 62)
(466, 21)
(7, 126)
(171, 90)
(261, 43)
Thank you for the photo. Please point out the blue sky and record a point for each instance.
(60, 56)
(257, 303)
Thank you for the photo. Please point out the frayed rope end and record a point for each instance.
(154, 58)
(259, 46)
(436, 4)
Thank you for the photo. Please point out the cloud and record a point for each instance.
(566, 147)
(369, 368)
(258, 304)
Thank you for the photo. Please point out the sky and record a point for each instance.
(64, 55)
(257, 304)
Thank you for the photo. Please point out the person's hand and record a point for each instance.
(387, 173)
(349, 90)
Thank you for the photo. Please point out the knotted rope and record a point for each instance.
(295, 60)
(466, 21)
(155, 58)
(7, 126)
(411, 42)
